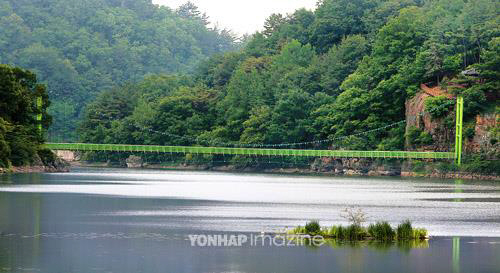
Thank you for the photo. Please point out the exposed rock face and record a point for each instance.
(134, 162)
(356, 166)
(435, 91)
(69, 156)
(484, 140)
(59, 165)
(443, 138)
(414, 107)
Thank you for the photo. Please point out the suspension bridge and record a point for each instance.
(253, 151)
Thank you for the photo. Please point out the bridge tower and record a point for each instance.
(39, 106)
(458, 128)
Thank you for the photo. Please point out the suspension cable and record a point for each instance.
(329, 140)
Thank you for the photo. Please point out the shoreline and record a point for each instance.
(231, 168)
(34, 169)
(296, 170)
(59, 166)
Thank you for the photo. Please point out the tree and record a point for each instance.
(19, 135)
(375, 18)
(256, 127)
(190, 11)
(340, 61)
(112, 105)
(183, 116)
(336, 19)
(272, 24)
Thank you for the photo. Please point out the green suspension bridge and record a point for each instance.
(253, 151)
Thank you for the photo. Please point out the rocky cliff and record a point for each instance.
(484, 136)
(480, 132)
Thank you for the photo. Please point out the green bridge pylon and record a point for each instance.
(459, 130)
(39, 106)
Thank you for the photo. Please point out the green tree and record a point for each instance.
(340, 61)
(336, 19)
(19, 135)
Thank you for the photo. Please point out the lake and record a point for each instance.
(121, 220)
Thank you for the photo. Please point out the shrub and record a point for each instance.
(445, 167)
(332, 232)
(325, 231)
(381, 231)
(417, 136)
(481, 164)
(474, 100)
(418, 166)
(312, 228)
(404, 231)
(341, 233)
(469, 131)
(425, 138)
(449, 122)
(298, 230)
(47, 156)
(419, 233)
(355, 232)
(435, 106)
(412, 135)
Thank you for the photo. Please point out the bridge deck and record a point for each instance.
(247, 151)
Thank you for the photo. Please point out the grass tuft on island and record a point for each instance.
(380, 231)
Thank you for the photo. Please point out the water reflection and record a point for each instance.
(458, 189)
(456, 255)
(92, 224)
(36, 228)
(404, 246)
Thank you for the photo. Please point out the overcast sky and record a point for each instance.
(242, 16)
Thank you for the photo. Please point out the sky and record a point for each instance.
(242, 16)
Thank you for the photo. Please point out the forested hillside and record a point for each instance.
(81, 47)
(346, 68)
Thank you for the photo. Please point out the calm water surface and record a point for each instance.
(116, 220)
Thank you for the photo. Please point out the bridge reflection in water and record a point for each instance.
(456, 255)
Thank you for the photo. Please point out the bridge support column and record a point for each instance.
(39, 106)
(458, 128)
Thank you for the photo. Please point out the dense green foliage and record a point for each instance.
(432, 106)
(19, 136)
(381, 231)
(482, 164)
(344, 69)
(404, 230)
(418, 137)
(80, 47)
(312, 228)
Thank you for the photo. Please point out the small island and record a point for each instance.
(380, 231)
